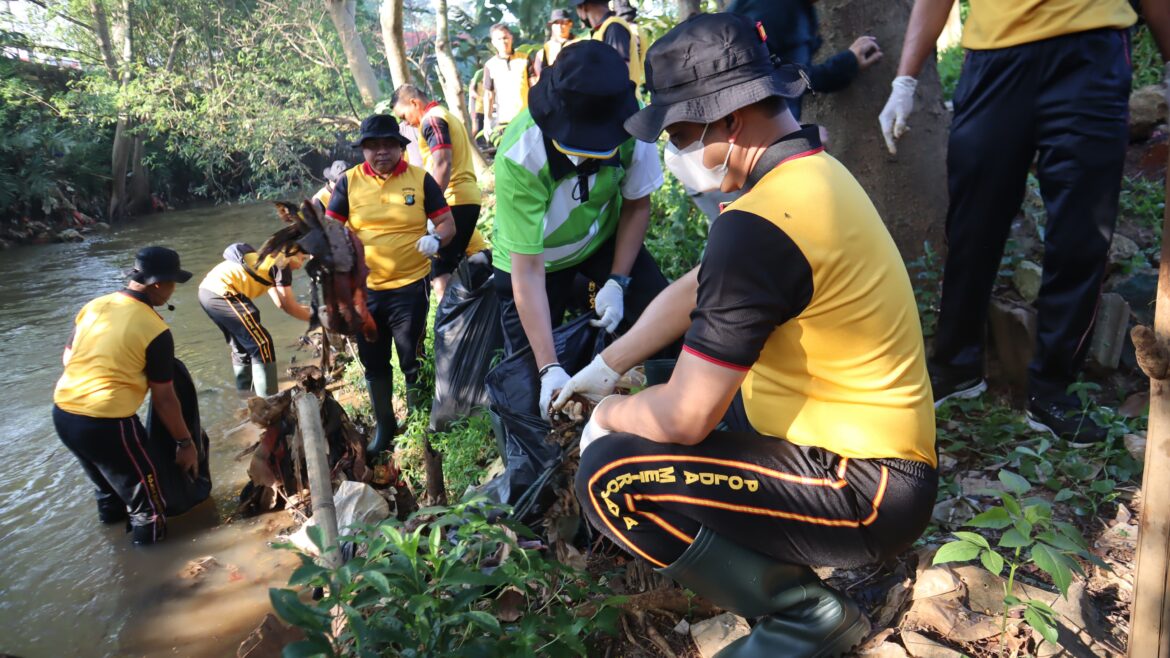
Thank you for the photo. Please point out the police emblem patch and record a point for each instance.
(410, 199)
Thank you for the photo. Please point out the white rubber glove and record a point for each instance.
(428, 245)
(594, 430)
(553, 380)
(897, 110)
(609, 306)
(595, 381)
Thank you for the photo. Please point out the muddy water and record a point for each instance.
(68, 585)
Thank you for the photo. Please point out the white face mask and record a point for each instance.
(687, 165)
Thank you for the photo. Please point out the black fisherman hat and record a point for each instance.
(560, 15)
(582, 100)
(157, 265)
(706, 68)
(378, 126)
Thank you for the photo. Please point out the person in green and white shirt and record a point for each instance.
(573, 198)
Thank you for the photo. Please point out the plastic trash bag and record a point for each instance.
(356, 504)
(178, 491)
(513, 387)
(467, 338)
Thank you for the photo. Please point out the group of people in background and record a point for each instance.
(793, 424)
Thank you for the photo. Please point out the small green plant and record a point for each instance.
(449, 582)
(1031, 537)
(950, 65)
(926, 277)
(1142, 202)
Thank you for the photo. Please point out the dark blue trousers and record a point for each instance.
(401, 317)
(1063, 103)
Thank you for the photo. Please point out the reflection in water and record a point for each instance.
(72, 587)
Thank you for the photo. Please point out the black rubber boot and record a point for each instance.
(799, 616)
(382, 403)
(111, 509)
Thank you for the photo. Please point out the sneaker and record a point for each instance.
(948, 384)
(1065, 420)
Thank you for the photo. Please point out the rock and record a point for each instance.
(1027, 279)
(1135, 444)
(269, 639)
(197, 567)
(1013, 331)
(920, 646)
(1147, 109)
(70, 235)
(952, 513)
(1122, 250)
(1109, 331)
(712, 635)
(1139, 289)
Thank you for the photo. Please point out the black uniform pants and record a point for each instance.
(239, 320)
(798, 504)
(401, 317)
(113, 453)
(449, 256)
(646, 282)
(1064, 103)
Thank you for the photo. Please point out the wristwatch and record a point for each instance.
(623, 281)
(184, 442)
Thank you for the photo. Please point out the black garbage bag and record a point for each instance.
(467, 338)
(179, 492)
(513, 388)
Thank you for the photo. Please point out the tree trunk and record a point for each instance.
(342, 13)
(123, 146)
(391, 17)
(909, 189)
(449, 79)
(688, 8)
(138, 196)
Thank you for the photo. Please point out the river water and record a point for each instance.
(68, 585)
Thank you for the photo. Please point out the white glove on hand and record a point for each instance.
(593, 429)
(897, 110)
(428, 245)
(595, 381)
(553, 380)
(609, 306)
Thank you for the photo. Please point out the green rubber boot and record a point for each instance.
(264, 380)
(799, 616)
(382, 403)
(243, 378)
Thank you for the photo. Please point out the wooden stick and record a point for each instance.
(320, 484)
(1149, 629)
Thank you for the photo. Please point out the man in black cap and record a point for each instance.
(802, 305)
(610, 28)
(387, 203)
(573, 196)
(120, 349)
(560, 34)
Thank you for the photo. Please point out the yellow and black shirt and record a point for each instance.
(507, 79)
(389, 214)
(119, 344)
(1003, 23)
(441, 130)
(801, 287)
(322, 196)
(242, 273)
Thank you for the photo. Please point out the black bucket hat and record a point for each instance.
(157, 265)
(560, 15)
(377, 126)
(581, 102)
(706, 68)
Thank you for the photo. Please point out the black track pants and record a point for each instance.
(797, 504)
(239, 320)
(449, 257)
(1064, 103)
(113, 453)
(401, 317)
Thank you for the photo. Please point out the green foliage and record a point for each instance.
(678, 231)
(950, 65)
(1033, 538)
(448, 582)
(1146, 59)
(1142, 202)
(926, 276)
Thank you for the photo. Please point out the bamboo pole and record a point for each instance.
(320, 484)
(1149, 628)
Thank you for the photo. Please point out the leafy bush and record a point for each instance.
(950, 65)
(1146, 59)
(447, 583)
(678, 231)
